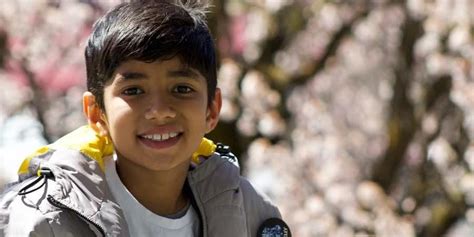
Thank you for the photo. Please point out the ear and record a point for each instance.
(213, 111)
(93, 113)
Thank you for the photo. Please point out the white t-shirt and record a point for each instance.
(143, 222)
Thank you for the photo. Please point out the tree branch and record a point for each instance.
(401, 123)
(330, 50)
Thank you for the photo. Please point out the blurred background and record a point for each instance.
(356, 117)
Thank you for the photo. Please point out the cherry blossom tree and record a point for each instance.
(355, 117)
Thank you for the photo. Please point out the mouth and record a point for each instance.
(160, 140)
(161, 137)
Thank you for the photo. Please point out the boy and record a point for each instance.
(151, 79)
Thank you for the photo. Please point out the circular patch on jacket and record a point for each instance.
(274, 227)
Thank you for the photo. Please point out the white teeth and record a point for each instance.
(148, 136)
(173, 134)
(157, 137)
(161, 137)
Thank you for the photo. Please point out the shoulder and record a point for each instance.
(256, 200)
(258, 206)
(263, 217)
(25, 207)
(222, 174)
(230, 203)
(32, 215)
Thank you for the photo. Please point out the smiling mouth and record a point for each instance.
(160, 141)
(161, 137)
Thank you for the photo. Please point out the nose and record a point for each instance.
(160, 110)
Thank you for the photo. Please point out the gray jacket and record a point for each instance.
(71, 198)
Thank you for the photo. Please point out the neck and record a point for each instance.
(159, 191)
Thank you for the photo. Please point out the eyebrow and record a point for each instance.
(126, 76)
(184, 72)
(177, 73)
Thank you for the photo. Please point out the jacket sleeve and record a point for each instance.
(258, 207)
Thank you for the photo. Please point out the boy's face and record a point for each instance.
(156, 113)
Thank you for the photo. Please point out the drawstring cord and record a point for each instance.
(44, 174)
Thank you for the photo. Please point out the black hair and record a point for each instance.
(150, 30)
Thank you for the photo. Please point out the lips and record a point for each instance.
(160, 138)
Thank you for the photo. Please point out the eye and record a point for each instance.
(183, 89)
(132, 91)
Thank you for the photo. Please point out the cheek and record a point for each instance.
(119, 116)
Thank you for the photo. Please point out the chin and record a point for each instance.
(163, 164)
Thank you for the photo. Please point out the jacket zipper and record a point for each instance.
(57, 203)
